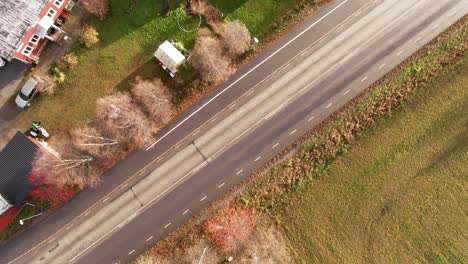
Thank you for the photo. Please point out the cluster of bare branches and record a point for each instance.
(71, 168)
(154, 96)
(209, 12)
(209, 59)
(235, 37)
(121, 118)
(98, 8)
(266, 246)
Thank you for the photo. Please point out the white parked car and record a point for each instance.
(27, 93)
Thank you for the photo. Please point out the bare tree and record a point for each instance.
(155, 98)
(152, 258)
(71, 168)
(235, 37)
(209, 12)
(266, 246)
(209, 59)
(123, 120)
(98, 8)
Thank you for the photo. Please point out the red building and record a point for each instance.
(26, 25)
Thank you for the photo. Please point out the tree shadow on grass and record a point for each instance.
(227, 6)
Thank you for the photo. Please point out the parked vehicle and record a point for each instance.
(27, 93)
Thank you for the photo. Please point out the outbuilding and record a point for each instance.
(169, 57)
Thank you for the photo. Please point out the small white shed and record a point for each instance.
(169, 57)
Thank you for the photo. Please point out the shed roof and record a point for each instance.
(17, 17)
(15, 165)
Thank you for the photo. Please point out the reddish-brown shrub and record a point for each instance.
(229, 226)
(55, 194)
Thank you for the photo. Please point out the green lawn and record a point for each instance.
(399, 195)
(129, 36)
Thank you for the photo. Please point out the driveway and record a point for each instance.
(10, 77)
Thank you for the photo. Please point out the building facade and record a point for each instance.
(26, 25)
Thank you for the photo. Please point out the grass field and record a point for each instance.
(129, 37)
(399, 195)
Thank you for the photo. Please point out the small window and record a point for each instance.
(34, 39)
(58, 3)
(51, 13)
(27, 51)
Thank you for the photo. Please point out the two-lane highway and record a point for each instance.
(287, 91)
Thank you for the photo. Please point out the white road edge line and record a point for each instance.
(247, 73)
(105, 199)
(435, 26)
(221, 185)
(149, 238)
(201, 200)
(418, 39)
(381, 66)
(345, 93)
(400, 52)
(251, 91)
(330, 104)
(363, 79)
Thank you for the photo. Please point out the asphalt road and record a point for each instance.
(279, 96)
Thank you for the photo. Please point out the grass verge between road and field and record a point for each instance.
(271, 189)
(398, 195)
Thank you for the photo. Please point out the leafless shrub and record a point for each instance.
(123, 120)
(155, 98)
(47, 85)
(235, 37)
(201, 252)
(149, 258)
(210, 61)
(98, 8)
(266, 246)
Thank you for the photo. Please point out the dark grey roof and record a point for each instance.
(15, 165)
(17, 17)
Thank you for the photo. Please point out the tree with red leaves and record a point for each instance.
(230, 226)
(54, 193)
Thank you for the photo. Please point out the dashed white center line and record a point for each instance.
(166, 226)
(259, 157)
(275, 145)
(400, 52)
(107, 198)
(186, 211)
(330, 104)
(381, 66)
(418, 39)
(363, 79)
(231, 106)
(435, 26)
(131, 252)
(251, 91)
(292, 132)
(149, 238)
(310, 119)
(345, 93)
(239, 172)
(201, 200)
(221, 185)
